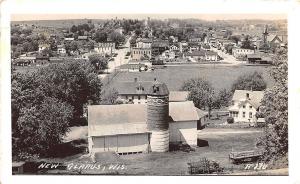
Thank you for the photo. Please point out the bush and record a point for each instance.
(230, 120)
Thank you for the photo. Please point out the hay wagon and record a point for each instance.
(245, 156)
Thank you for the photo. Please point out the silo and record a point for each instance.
(158, 116)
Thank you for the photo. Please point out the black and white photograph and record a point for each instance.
(148, 94)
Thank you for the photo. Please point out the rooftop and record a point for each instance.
(255, 97)
(131, 118)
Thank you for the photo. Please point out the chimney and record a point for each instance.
(135, 79)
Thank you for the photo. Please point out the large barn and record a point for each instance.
(137, 128)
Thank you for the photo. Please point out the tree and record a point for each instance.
(98, 61)
(101, 36)
(73, 29)
(110, 97)
(246, 44)
(52, 94)
(235, 38)
(41, 127)
(117, 37)
(274, 108)
(224, 97)
(229, 48)
(253, 81)
(201, 93)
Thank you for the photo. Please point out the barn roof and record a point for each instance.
(131, 118)
(183, 111)
(255, 97)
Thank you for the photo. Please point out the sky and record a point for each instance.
(95, 9)
(209, 17)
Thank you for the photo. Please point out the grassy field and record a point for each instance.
(174, 76)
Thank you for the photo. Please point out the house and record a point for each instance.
(239, 52)
(246, 104)
(105, 48)
(159, 46)
(141, 53)
(194, 38)
(61, 49)
(69, 39)
(142, 128)
(135, 92)
(82, 38)
(274, 39)
(174, 47)
(43, 47)
(193, 46)
(183, 46)
(202, 55)
(143, 43)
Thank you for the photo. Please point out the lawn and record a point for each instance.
(220, 143)
(174, 76)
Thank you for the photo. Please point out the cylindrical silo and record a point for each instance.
(158, 117)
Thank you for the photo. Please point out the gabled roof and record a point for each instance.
(130, 87)
(271, 37)
(131, 118)
(255, 97)
(183, 111)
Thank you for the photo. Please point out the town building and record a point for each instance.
(142, 128)
(143, 43)
(105, 48)
(141, 53)
(202, 55)
(61, 49)
(159, 46)
(43, 47)
(246, 104)
(174, 47)
(82, 38)
(240, 52)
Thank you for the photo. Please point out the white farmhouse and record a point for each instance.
(246, 104)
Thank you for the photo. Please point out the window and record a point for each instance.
(247, 95)
(139, 97)
(244, 106)
(126, 97)
(244, 114)
(250, 114)
(250, 106)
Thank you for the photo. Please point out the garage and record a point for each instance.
(129, 143)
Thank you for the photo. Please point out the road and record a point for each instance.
(120, 58)
(227, 58)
